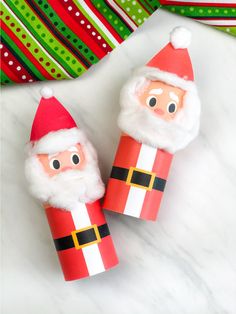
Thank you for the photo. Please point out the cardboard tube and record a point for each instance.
(137, 180)
(82, 240)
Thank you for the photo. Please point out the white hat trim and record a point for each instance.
(57, 141)
(155, 74)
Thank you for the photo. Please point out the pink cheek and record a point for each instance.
(159, 111)
(78, 166)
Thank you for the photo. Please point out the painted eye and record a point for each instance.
(75, 159)
(55, 164)
(172, 107)
(151, 101)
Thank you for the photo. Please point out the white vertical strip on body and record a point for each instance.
(146, 157)
(91, 253)
(136, 195)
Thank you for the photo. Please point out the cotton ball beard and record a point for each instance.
(146, 127)
(65, 189)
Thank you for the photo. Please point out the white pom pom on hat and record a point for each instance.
(180, 37)
(46, 92)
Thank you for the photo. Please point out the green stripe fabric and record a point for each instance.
(58, 39)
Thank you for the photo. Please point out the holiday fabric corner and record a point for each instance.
(58, 39)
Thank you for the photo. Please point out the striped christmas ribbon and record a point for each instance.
(218, 13)
(61, 39)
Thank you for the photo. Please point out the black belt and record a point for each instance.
(138, 177)
(82, 237)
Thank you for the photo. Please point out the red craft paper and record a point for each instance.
(118, 191)
(80, 263)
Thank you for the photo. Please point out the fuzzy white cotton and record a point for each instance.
(180, 37)
(155, 74)
(58, 141)
(65, 189)
(68, 188)
(144, 126)
(46, 92)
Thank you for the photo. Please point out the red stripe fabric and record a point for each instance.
(15, 67)
(78, 30)
(104, 21)
(26, 51)
(203, 4)
(81, 18)
(5, 68)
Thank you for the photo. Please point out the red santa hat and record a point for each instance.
(172, 65)
(53, 129)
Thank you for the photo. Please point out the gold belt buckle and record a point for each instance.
(130, 174)
(76, 241)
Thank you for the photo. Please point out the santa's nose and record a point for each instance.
(159, 111)
(66, 168)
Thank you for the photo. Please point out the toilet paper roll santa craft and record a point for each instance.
(63, 174)
(160, 112)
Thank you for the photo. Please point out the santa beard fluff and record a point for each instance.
(146, 127)
(67, 188)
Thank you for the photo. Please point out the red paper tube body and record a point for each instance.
(82, 240)
(137, 179)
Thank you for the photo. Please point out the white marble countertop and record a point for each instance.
(183, 263)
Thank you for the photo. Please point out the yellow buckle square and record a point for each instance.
(75, 239)
(130, 174)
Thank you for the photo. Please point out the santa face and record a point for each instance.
(157, 113)
(71, 159)
(66, 178)
(162, 99)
